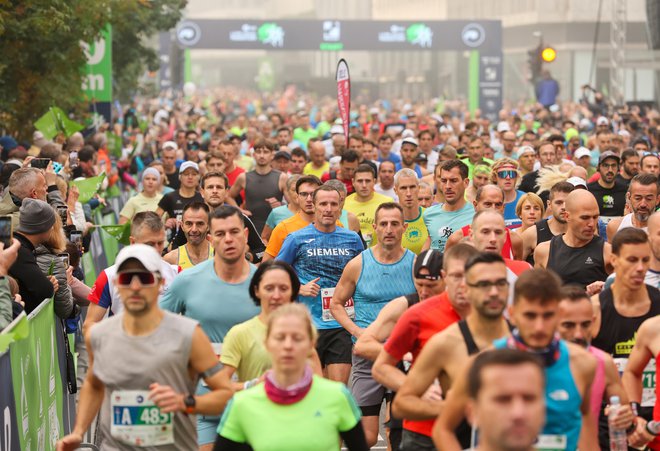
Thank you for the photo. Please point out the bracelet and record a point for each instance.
(250, 383)
(635, 408)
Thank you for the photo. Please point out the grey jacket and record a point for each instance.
(63, 298)
(6, 312)
(8, 207)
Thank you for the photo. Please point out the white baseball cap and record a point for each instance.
(602, 121)
(407, 133)
(503, 126)
(374, 110)
(582, 152)
(409, 140)
(525, 149)
(187, 165)
(577, 181)
(170, 144)
(146, 255)
(337, 129)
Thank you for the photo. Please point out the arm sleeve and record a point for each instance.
(231, 348)
(270, 220)
(6, 308)
(288, 250)
(129, 209)
(349, 412)
(276, 240)
(54, 198)
(34, 283)
(170, 299)
(97, 289)
(164, 203)
(403, 336)
(80, 292)
(255, 242)
(78, 217)
(230, 427)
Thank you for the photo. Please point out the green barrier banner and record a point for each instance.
(38, 389)
(88, 187)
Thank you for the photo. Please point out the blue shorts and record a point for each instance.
(207, 429)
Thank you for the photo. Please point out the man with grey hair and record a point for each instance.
(406, 186)
(28, 182)
(347, 219)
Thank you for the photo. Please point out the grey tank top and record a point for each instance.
(124, 362)
(258, 188)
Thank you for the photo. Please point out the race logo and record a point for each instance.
(188, 33)
(271, 34)
(608, 201)
(419, 34)
(473, 35)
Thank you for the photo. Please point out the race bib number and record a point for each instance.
(550, 442)
(648, 380)
(326, 297)
(137, 421)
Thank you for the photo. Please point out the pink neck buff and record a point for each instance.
(291, 394)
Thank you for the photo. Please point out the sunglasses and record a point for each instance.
(124, 279)
(508, 173)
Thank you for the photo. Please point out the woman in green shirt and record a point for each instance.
(293, 408)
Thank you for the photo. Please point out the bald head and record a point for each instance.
(489, 197)
(654, 223)
(580, 199)
(488, 231)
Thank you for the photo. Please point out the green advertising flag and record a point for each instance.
(118, 232)
(56, 121)
(97, 84)
(114, 144)
(38, 389)
(88, 187)
(16, 330)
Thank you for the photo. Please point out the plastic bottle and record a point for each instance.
(653, 427)
(618, 437)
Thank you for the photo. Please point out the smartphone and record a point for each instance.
(63, 211)
(76, 238)
(73, 160)
(40, 163)
(6, 232)
(65, 259)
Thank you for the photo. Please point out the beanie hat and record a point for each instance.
(151, 171)
(36, 216)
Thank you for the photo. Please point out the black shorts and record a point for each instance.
(334, 346)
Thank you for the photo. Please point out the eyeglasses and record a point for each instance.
(306, 194)
(124, 279)
(486, 285)
(507, 173)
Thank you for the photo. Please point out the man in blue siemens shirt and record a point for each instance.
(318, 254)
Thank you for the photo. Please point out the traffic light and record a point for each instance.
(548, 54)
(535, 63)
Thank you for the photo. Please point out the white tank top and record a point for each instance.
(627, 222)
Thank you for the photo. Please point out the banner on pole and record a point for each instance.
(344, 95)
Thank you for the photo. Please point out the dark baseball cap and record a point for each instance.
(430, 259)
(282, 154)
(608, 154)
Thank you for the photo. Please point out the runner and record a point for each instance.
(569, 369)
(146, 200)
(547, 228)
(146, 228)
(364, 202)
(406, 186)
(445, 354)
(608, 191)
(323, 412)
(414, 328)
(579, 256)
(318, 253)
(216, 293)
(442, 220)
(195, 226)
(506, 399)
(622, 308)
(640, 372)
(282, 212)
(505, 175)
(372, 279)
(642, 197)
(123, 367)
(173, 203)
(305, 187)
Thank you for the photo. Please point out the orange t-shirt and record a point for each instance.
(281, 231)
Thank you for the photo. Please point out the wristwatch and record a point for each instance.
(190, 404)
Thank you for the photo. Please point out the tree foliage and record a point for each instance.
(41, 59)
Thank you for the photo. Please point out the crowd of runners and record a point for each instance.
(454, 281)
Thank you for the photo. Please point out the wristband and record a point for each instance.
(635, 408)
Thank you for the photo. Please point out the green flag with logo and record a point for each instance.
(119, 232)
(88, 187)
(97, 82)
(56, 121)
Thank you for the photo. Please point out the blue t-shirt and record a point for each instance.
(277, 215)
(418, 169)
(200, 294)
(379, 283)
(563, 417)
(441, 224)
(512, 220)
(313, 254)
(394, 158)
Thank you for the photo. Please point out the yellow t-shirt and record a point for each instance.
(243, 348)
(139, 203)
(366, 214)
(310, 170)
(281, 231)
(416, 234)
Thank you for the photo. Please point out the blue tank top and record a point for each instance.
(344, 219)
(562, 399)
(511, 219)
(379, 283)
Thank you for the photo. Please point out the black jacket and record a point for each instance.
(33, 285)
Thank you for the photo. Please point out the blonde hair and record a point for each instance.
(532, 199)
(56, 240)
(549, 176)
(297, 310)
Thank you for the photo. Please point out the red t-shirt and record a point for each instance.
(232, 176)
(507, 249)
(415, 327)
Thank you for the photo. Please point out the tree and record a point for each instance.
(132, 23)
(41, 57)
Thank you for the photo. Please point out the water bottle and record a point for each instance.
(618, 437)
(653, 427)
